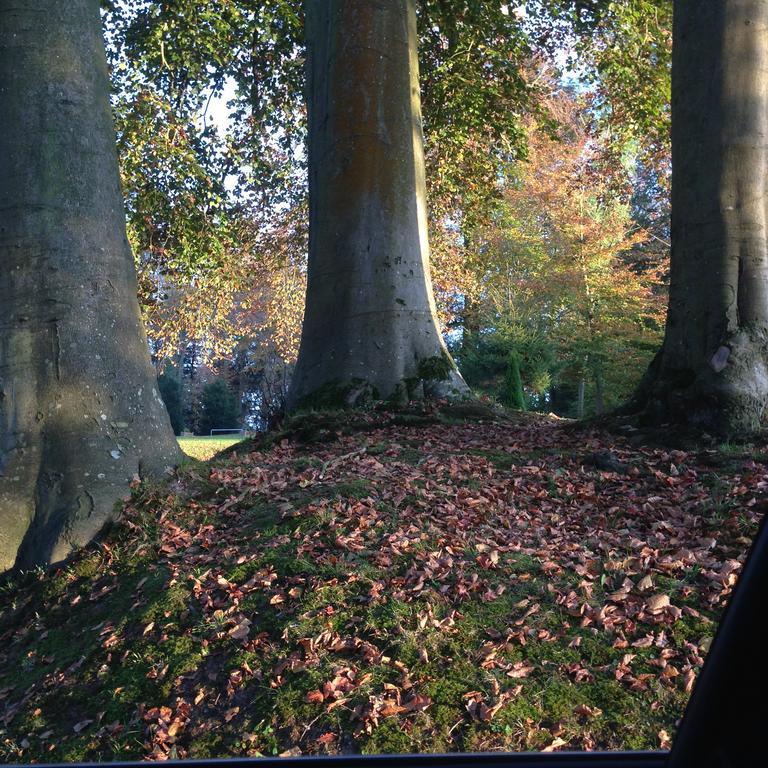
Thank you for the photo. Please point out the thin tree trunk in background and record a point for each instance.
(470, 320)
(470, 316)
(370, 316)
(713, 369)
(580, 401)
(177, 365)
(80, 413)
(599, 396)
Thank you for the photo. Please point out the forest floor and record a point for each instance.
(421, 583)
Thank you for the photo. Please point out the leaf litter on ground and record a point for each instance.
(439, 587)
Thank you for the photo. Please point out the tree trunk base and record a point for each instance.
(727, 396)
(62, 479)
(437, 379)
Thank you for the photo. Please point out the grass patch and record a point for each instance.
(205, 448)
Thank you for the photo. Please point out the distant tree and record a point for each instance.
(558, 284)
(170, 390)
(219, 408)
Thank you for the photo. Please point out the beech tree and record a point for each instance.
(370, 320)
(80, 413)
(713, 369)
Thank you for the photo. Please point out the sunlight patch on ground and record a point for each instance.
(203, 448)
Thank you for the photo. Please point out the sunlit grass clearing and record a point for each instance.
(203, 448)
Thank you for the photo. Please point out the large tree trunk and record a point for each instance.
(80, 413)
(713, 369)
(370, 316)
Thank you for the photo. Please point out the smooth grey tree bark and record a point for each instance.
(712, 372)
(370, 321)
(80, 413)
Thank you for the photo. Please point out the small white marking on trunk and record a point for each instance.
(720, 359)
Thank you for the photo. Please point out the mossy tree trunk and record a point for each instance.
(80, 413)
(370, 316)
(713, 369)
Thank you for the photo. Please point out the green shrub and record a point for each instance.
(513, 395)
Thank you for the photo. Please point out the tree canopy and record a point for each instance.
(217, 213)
